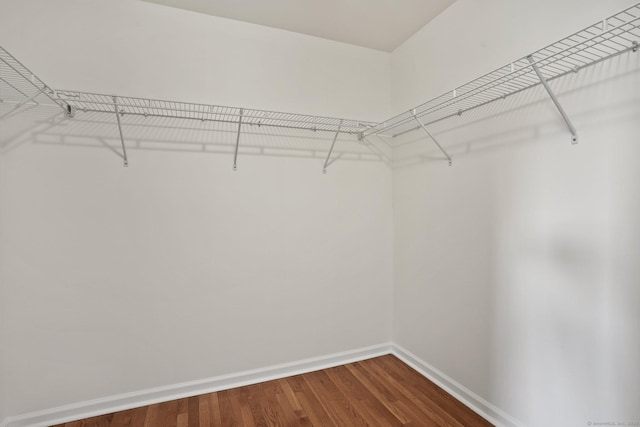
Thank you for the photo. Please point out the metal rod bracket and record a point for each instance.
(235, 155)
(335, 138)
(634, 46)
(565, 117)
(432, 137)
(125, 160)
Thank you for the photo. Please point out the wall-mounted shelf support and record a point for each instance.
(432, 137)
(21, 103)
(125, 162)
(235, 155)
(335, 138)
(69, 111)
(543, 80)
(634, 46)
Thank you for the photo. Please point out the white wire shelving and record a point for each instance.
(241, 117)
(21, 90)
(97, 103)
(611, 37)
(25, 100)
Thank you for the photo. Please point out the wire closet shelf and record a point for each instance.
(99, 103)
(20, 89)
(613, 36)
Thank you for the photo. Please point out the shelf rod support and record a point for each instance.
(125, 162)
(432, 137)
(20, 104)
(335, 138)
(235, 155)
(565, 117)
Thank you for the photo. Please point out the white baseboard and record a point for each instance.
(150, 396)
(92, 408)
(486, 409)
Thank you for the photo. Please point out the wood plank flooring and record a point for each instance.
(377, 392)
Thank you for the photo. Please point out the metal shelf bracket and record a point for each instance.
(69, 111)
(565, 117)
(432, 137)
(20, 104)
(235, 155)
(124, 149)
(634, 46)
(335, 138)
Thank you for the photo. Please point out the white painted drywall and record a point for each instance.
(516, 269)
(135, 48)
(177, 268)
(3, 320)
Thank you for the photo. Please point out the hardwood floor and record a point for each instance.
(376, 392)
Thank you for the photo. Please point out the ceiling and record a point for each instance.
(376, 24)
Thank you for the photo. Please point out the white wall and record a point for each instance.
(3, 320)
(128, 47)
(178, 268)
(516, 269)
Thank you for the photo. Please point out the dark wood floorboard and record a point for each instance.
(379, 392)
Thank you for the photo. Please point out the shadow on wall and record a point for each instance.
(547, 300)
(47, 125)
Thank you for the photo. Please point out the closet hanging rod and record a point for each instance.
(604, 40)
